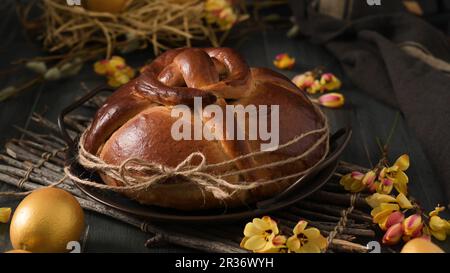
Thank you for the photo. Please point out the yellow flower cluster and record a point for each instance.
(316, 82)
(262, 236)
(5, 215)
(389, 211)
(386, 213)
(381, 179)
(116, 70)
(284, 61)
(220, 12)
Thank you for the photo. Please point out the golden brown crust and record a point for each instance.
(136, 122)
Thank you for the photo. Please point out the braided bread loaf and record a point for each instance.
(136, 122)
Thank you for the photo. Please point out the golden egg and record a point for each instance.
(17, 251)
(46, 221)
(111, 6)
(421, 245)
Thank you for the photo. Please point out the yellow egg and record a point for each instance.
(17, 251)
(111, 6)
(46, 220)
(420, 245)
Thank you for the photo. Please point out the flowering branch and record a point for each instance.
(401, 218)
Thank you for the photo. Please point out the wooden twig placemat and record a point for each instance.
(37, 160)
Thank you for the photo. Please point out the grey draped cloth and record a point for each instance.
(395, 57)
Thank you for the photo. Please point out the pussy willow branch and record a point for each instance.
(85, 55)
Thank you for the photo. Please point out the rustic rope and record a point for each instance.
(134, 172)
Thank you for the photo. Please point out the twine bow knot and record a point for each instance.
(187, 169)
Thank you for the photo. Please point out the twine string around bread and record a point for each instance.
(136, 174)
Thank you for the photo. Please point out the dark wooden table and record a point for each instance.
(369, 118)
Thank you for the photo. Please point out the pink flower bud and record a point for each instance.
(393, 234)
(387, 182)
(374, 186)
(413, 225)
(332, 100)
(394, 218)
(369, 178)
(357, 175)
(327, 77)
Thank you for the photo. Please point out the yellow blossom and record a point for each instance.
(403, 201)
(116, 62)
(413, 225)
(220, 12)
(304, 81)
(394, 218)
(5, 215)
(316, 87)
(108, 67)
(376, 199)
(353, 182)
(314, 82)
(116, 70)
(437, 226)
(369, 179)
(382, 212)
(259, 235)
(395, 176)
(385, 186)
(436, 211)
(330, 82)
(284, 61)
(402, 162)
(100, 67)
(307, 82)
(278, 245)
(306, 240)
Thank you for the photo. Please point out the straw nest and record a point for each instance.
(162, 23)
